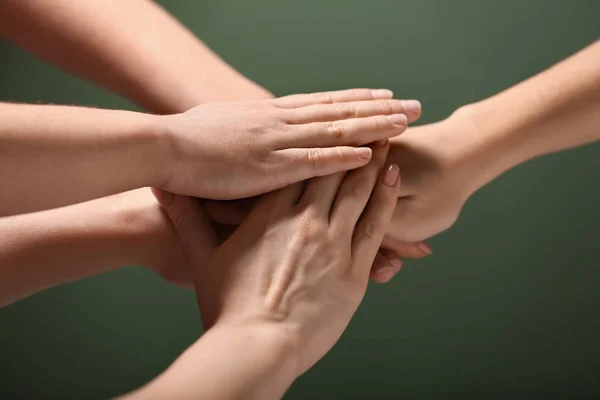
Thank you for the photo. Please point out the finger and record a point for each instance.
(295, 165)
(354, 109)
(374, 222)
(320, 193)
(348, 132)
(339, 96)
(406, 249)
(279, 201)
(385, 266)
(191, 224)
(355, 191)
(230, 212)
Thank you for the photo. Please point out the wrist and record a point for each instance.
(161, 156)
(488, 148)
(280, 344)
(148, 233)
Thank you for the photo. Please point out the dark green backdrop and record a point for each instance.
(508, 304)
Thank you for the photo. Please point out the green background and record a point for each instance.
(506, 306)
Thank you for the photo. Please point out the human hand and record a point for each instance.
(301, 259)
(241, 149)
(441, 165)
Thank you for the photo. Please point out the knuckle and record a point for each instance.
(335, 129)
(353, 190)
(386, 107)
(310, 227)
(345, 110)
(372, 228)
(322, 97)
(373, 123)
(315, 157)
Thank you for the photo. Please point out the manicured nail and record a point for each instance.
(363, 152)
(391, 175)
(396, 262)
(398, 119)
(382, 94)
(412, 106)
(387, 270)
(425, 248)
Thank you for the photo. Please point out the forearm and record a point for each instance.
(48, 248)
(133, 48)
(556, 110)
(249, 361)
(52, 156)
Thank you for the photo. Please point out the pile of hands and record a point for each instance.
(310, 196)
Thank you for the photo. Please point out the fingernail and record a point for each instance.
(425, 248)
(382, 94)
(363, 152)
(396, 262)
(412, 106)
(398, 119)
(388, 269)
(391, 175)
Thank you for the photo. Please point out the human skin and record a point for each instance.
(133, 57)
(44, 249)
(444, 163)
(133, 48)
(280, 291)
(58, 155)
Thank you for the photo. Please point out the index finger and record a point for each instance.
(373, 225)
(338, 96)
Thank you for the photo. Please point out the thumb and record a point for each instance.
(191, 224)
(301, 164)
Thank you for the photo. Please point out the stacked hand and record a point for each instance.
(299, 262)
(241, 149)
(438, 168)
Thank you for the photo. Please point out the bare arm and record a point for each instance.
(444, 163)
(243, 361)
(48, 248)
(51, 156)
(132, 47)
(555, 110)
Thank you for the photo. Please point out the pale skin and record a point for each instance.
(63, 32)
(444, 163)
(552, 111)
(57, 156)
(301, 257)
(426, 164)
(53, 156)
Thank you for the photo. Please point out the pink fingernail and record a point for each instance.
(397, 263)
(385, 271)
(363, 152)
(382, 94)
(398, 119)
(412, 106)
(391, 175)
(425, 248)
